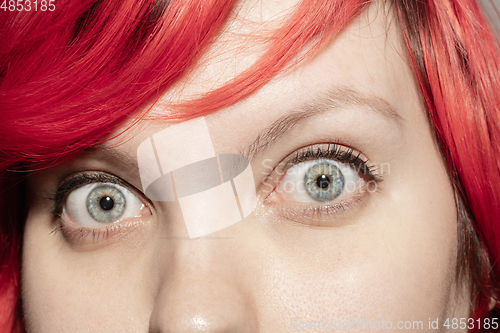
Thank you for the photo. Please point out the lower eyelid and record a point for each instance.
(322, 215)
(82, 237)
(341, 211)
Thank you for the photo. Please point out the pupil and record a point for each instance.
(323, 181)
(106, 203)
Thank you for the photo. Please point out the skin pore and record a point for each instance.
(388, 254)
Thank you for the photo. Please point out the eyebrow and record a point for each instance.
(334, 98)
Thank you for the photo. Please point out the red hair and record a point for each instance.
(69, 77)
(456, 60)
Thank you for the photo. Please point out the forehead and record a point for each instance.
(367, 57)
(365, 51)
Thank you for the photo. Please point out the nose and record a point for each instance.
(202, 292)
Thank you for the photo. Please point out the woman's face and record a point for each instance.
(335, 239)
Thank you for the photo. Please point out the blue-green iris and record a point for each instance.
(105, 204)
(324, 182)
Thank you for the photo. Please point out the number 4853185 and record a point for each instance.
(28, 5)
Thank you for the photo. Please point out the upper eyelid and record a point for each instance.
(333, 98)
(296, 158)
(89, 177)
(74, 182)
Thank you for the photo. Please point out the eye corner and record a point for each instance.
(343, 177)
(118, 207)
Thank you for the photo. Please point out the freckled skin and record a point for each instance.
(391, 256)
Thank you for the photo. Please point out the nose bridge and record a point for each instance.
(179, 164)
(202, 291)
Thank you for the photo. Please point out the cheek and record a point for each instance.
(373, 273)
(396, 263)
(70, 291)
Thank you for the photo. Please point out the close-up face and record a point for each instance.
(355, 218)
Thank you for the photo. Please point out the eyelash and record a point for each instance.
(340, 153)
(333, 151)
(80, 233)
(72, 183)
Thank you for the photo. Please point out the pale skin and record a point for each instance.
(390, 257)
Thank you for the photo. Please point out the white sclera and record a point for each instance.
(76, 205)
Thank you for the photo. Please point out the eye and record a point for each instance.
(322, 181)
(98, 204)
(318, 181)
